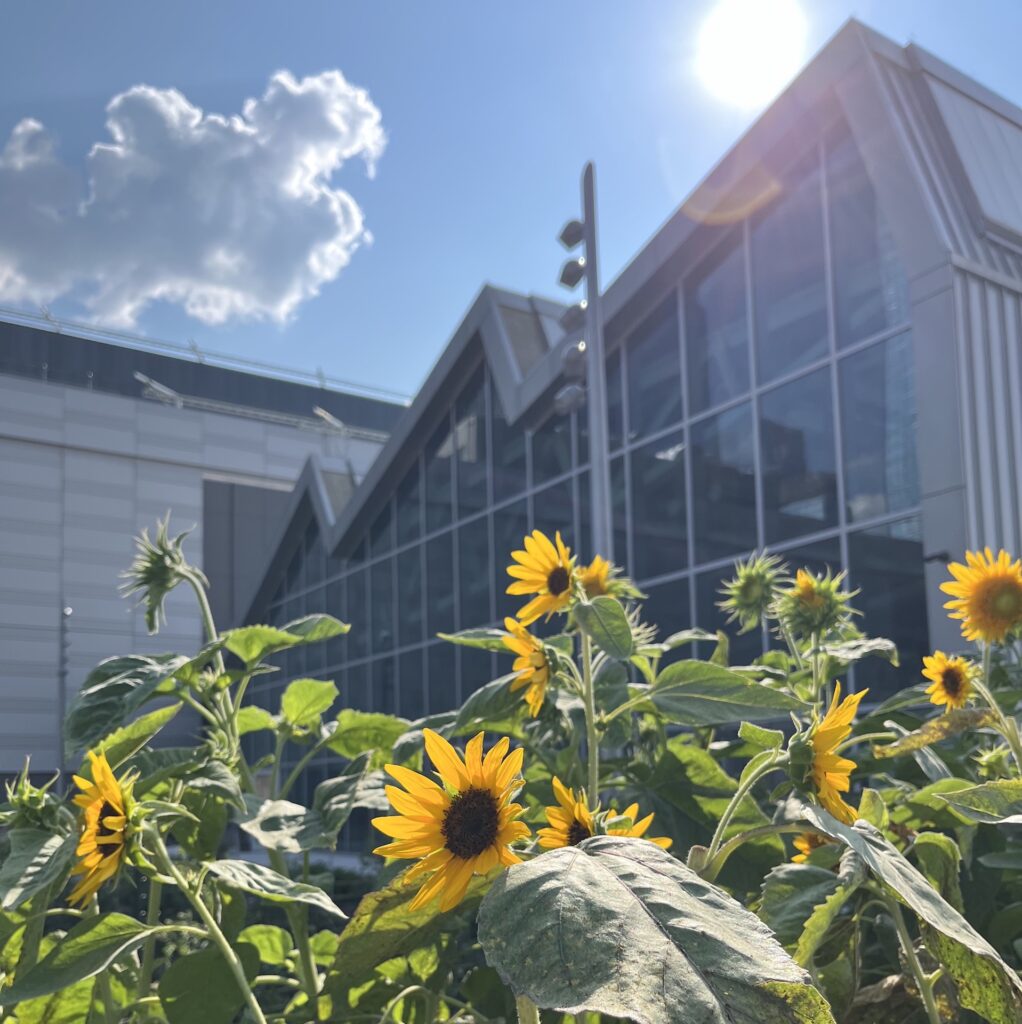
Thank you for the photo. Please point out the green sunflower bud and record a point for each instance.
(750, 594)
(814, 605)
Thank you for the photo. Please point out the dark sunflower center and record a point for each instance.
(470, 824)
(577, 833)
(1006, 601)
(558, 580)
(952, 680)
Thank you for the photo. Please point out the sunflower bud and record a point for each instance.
(750, 594)
(800, 761)
(814, 605)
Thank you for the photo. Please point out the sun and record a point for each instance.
(748, 50)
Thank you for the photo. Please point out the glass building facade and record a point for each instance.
(766, 401)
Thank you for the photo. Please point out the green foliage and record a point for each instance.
(603, 620)
(201, 987)
(270, 885)
(37, 861)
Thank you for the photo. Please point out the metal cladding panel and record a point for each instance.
(989, 327)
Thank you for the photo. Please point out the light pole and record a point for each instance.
(588, 313)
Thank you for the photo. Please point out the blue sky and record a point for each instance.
(489, 111)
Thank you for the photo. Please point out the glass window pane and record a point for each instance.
(409, 510)
(818, 557)
(313, 555)
(477, 669)
(439, 478)
(412, 692)
(551, 449)
(788, 279)
(381, 536)
(654, 372)
(315, 654)
(878, 427)
(337, 606)
(723, 484)
(658, 507)
(615, 402)
(742, 649)
(440, 584)
(410, 596)
(357, 693)
(358, 615)
(382, 576)
(871, 291)
(716, 331)
(442, 688)
(618, 513)
(667, 607)
(510, 525)
(382, 672)
(553, 511)
(470, 445)
(799, 475)
(508, 453)
(474, 573)
(886, 563)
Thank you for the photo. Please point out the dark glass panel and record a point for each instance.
(440, 584)
(383, 673)
(743, 648)
(615, 402)
(409, 506)
(798, 462)
(551, 449)
(294, 657)
(667, 607)
(358, 695)
(442, 686)
(878, 427)
(294, 577)
(382, 577)
(619, 513)
(870, 288)
(412, 685)
(653, 355)
(315, 654)
(788, 278)
(723, 484)
(381, 536)
(510, 524)
(581, 418)
(337, 606)
(439, 478)
(509, 464)
(553, 511)
(658, 507)
(410, 596)
(585, 516)
(314, 559)
(474, 572)
(477, 669)
(358, 615)
(470, 445)
(716, 329)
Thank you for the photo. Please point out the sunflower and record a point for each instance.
(951, 680)
(987, 595)
(805, 843)
(595, 577)
(813, 604)
(104, 822)
(544, 570)
(460, 829)
(571, 821)
(831, 771)
(531, 665)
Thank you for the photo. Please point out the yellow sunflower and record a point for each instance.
(805, 843)
(462, 828)
(104, 822)
(571, 821)
(595, 577)
(545, 570)
(951, 680)
(830, 770)
(531, 665)
(987, 595)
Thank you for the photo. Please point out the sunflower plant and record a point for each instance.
(625, 826)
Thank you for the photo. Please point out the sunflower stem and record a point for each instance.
(298, 923)
(739, 795)
(152, 918)
(592, 744)
(716, 863)
(226, 950)
(528, 1011)
(922, 980)
(1008, 728)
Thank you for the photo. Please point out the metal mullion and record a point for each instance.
(750, 346)
(690, 539)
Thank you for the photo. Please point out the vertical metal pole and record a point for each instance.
(596, 373)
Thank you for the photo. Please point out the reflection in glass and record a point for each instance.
(410, 596)
(658, 507)
(357, 693)
(615, 402)
(509, 467)
(798, 461)
(723, 484)
(337, 606)
(553, 511)
(788, 278)
(474, 573)
(618, 513)
(383, 672)
(381, 536)
(412, 685)
(477, 669)
(358, 614)
(551, 449)
(878, 427)
(742, 648)
(716, 331)
(871, 291)
(442, 688)
(510, 524)
(470, 445)
(440, 584)
(667, 607)
(409, 510)
(439, 478)
(381, 575)
(653, 356)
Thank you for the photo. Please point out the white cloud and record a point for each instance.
(226, 216)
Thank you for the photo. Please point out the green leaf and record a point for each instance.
(202, 987)
(853, 650)
(252, 718)
(757, 736)
(851, 874)
(275, 824)
(619, 927)
(306, 700)
(253, 643)
(68, 1006)
(873, 809)
(679, 639)
(89, 947)
(269, 885)
(273, 944)
(696, 693)
(216, 778)
(311, 629)
(936, 729)
(483, 639)
(604, 621)
(324, 947)
(155, 767)
(359, 731)
(491, 703)
(131, 738)
(610, 684)
(992, 802)
(985, 982)
(37, 860)
(790, 894)
(939, 859)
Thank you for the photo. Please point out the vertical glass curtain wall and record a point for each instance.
(767, 402)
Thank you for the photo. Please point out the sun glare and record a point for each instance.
(748, 50)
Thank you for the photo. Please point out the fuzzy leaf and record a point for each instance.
(604, 621)
(306, 700)
(359, 731)
(273, 943)
(37, 860)
(853, 650)
(269, 885)
(131, 738)
(253, 643)
(201, 986)
(790, 894)
(483, 639)
(851, 875)
(311, 629)
(252, 718)
(936, 729)
(992, 802)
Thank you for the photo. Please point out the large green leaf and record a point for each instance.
(131, 738)
(201, 987)
(88, 948)
(853, 650)
(851, 874)
(68, 1006)
(253, 643)
(618, 926)
(269, 885)
(483, 639)
(604, 621)
(305, 701)
(252, 718)
(790, 894)
(985, 982)
(992, 802)
(37, 860)
(936, 729)
(491, 703)
(696, 693)
(311, 629)
(359, 731)
(274, 944)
